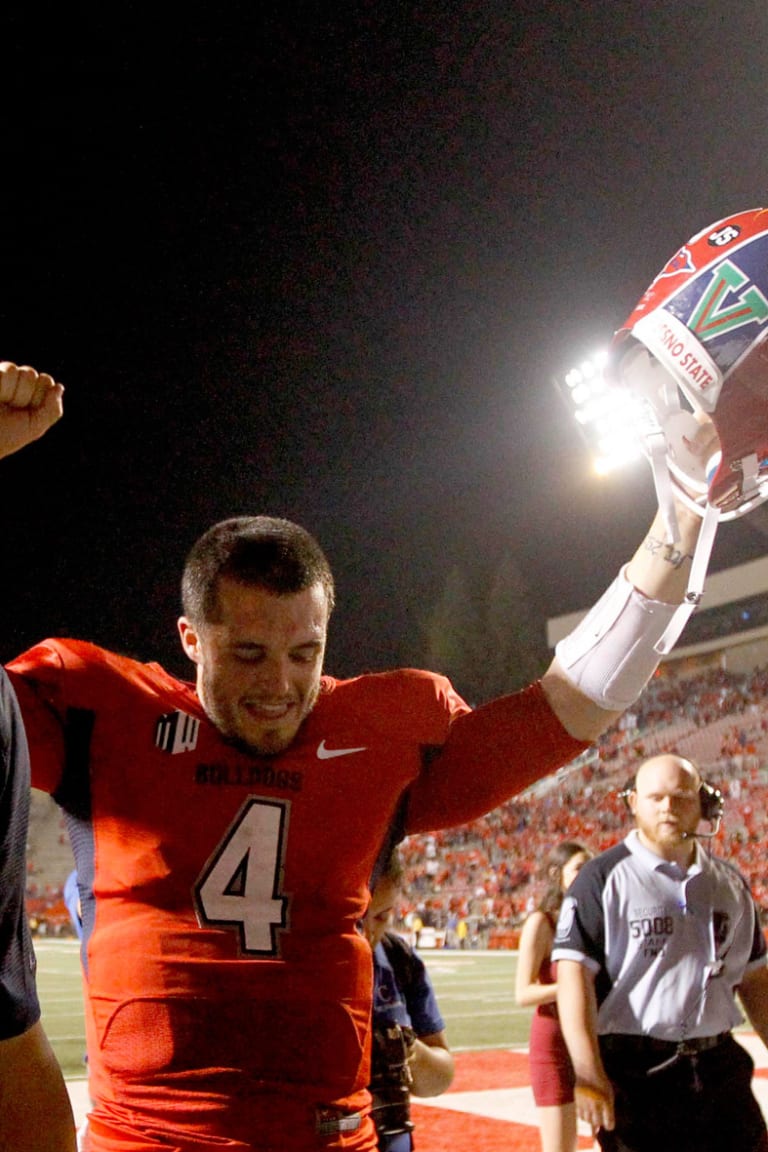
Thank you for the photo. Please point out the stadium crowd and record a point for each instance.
(485, 873)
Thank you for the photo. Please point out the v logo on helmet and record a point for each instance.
(712, 316)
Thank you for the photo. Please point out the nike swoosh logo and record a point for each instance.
(324, 753)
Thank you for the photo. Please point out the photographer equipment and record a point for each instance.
(391, 1079)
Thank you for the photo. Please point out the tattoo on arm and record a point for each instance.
(667, 552)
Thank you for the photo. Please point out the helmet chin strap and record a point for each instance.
(695, 589)
(667, 432)
(668, 487)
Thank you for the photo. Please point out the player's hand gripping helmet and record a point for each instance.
(699, 332)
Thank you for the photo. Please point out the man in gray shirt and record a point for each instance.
(654, 939)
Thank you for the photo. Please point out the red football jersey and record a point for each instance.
(226, 982)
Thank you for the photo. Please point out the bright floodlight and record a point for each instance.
(605, 414)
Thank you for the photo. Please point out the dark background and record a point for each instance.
(324, 262)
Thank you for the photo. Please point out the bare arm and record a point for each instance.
(431, 1065)
(660, 571)
(577, 1008)
(535, 946)
(35, 1113)
(753, 993)
(30, 403)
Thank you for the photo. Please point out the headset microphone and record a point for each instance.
(712, 805)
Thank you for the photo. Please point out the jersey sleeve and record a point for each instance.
(580, 932)
(421, 1001)
(759, 953)
(489, 755)
(39, 682)
(19, 1007)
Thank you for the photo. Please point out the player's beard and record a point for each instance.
(254, 734)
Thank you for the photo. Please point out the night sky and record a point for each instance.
(324, 262)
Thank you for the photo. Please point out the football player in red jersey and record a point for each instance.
(224, 833)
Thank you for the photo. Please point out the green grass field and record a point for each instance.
(61, 998)
(475, 991)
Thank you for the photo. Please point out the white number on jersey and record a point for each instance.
(240, 885)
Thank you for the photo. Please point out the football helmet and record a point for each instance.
(696, 347)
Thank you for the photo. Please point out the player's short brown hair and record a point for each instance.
(262, 551)
(392, 869)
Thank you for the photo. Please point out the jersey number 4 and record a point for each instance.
(240, 885)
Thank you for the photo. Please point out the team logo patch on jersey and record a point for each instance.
(177, 732)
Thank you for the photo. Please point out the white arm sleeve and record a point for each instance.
(611, 654)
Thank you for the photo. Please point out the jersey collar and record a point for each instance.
(658, 863)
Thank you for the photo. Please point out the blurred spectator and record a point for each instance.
(552, 1077)
(410, 1051)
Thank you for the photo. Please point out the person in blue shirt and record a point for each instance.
(410, 1053)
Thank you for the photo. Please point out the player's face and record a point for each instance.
(380, 911)
(666, 805)
(259, 664)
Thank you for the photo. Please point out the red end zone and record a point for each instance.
(438, 1128)
(490, 1107)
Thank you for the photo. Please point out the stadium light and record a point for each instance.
(605, 415)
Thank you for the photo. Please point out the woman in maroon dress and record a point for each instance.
(536, 986)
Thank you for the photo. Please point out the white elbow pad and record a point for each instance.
(612, 653)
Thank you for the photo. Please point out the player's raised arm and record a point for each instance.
(601, 668)
(30, 403)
